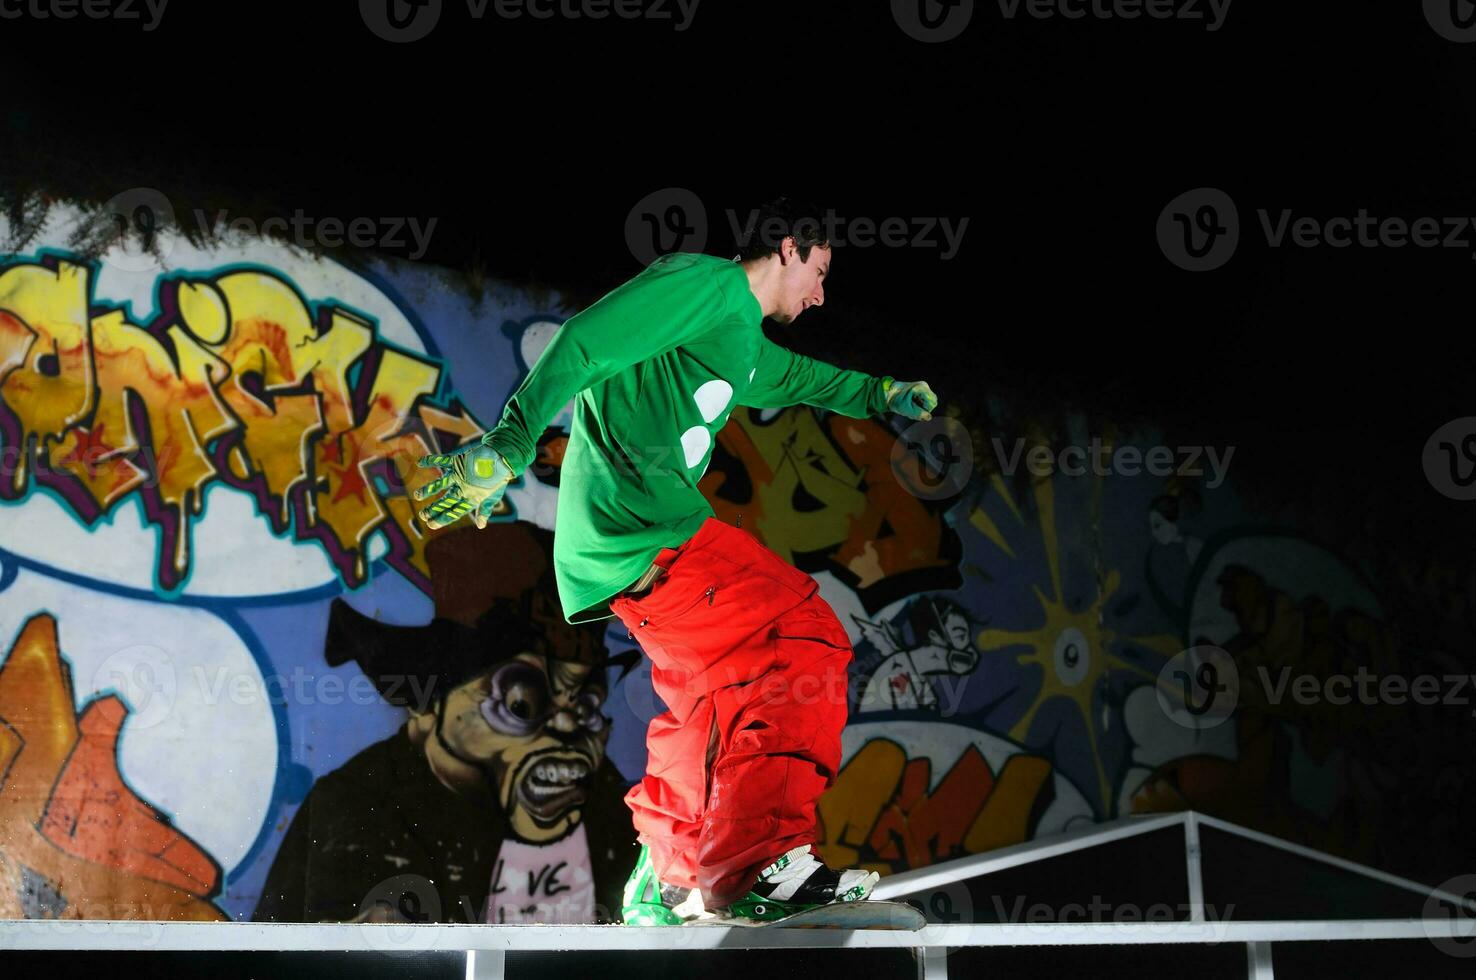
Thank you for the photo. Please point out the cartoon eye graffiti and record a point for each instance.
(1073, 656)
(517, 702)
(589, 711)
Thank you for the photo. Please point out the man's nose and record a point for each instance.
(819, 298)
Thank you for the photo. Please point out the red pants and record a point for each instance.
(752, 664)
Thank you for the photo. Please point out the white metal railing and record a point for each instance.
(485, 946)
(51, 934)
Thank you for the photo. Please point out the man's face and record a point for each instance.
(802, 284)
(536, 726)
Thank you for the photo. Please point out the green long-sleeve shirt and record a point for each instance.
(655, 368)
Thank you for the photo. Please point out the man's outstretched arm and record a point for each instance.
(783, 378)
(669, 304)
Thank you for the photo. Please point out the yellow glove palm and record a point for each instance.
(473, 479)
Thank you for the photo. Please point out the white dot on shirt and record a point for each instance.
(712, 398)
(695, 443)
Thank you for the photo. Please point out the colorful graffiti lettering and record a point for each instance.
(237, 380)
(879, 814)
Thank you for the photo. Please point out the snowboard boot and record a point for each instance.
(797, 881)
(647, 902)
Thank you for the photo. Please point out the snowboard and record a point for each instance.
(863, 914)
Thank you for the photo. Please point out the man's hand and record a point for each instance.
(474, 478)
(913, 399)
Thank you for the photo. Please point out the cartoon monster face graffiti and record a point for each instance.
(531, 730)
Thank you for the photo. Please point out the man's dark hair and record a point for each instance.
(779, 219)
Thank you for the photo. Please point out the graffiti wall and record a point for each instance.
(239, 681)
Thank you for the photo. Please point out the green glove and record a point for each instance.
(913, 399)
(474, 477)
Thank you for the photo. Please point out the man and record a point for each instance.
(747, 656)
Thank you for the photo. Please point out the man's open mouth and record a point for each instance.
(552, 784)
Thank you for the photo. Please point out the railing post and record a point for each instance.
(1258, 961)
(485, 964)
(932, 963)
(1191, 859)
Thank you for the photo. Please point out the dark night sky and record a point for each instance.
(1061, 142)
